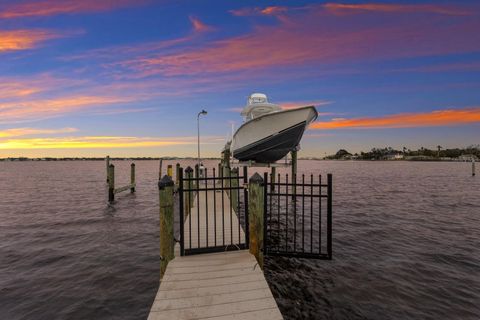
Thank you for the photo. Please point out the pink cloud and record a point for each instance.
(54, 7)
(313, 36)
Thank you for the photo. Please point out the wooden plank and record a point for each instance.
(195, 292)
(127, 187)
(200, 301)
(214, 310)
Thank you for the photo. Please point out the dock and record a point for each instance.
(220, 285)
(226, 285)
(229, 222)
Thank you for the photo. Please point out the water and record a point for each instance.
(406, 244)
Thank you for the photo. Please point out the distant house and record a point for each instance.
(467, 157)
(394, 156)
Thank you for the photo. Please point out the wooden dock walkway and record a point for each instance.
(223, 285)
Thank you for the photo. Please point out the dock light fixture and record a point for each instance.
(203, 112)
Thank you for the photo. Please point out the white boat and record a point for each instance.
(269, 133)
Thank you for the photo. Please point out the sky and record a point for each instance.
(128, 77)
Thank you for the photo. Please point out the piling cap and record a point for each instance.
(189, 169)
(166, 181)
(256, 178)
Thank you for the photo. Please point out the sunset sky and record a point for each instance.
(128, 77)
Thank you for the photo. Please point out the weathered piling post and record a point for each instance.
(473, 166)
(132, 178)
(111, 183)
(107, 162)
(177, 174)
(160, 169)
(170, 171)
(165, 187)
(256, 216)
(188, 185)
(273, 174)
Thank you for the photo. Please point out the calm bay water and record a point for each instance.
(406, 244)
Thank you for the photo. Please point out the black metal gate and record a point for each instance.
(294, 221)
(213, 211)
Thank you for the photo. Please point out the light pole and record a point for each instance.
(203, 112)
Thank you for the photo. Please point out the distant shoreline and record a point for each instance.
(414, 159)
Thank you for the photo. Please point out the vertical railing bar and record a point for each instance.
(294, 202)
(231, 205)
(214, 207)
(303, 212)
(245, 200)
(278, 213)
(190, 204)
(223, 210)
(311, 213)
(180, 193)
(286, 212)
(329, 215)
(266, 231)
(198, 203)
(237, 178)
(206, 205)
(270, 210)
(320, 214)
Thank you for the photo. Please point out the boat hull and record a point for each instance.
(271, 137)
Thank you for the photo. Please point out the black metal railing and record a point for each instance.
(213, 211)
(294, 225)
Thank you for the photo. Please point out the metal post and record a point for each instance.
(198, 133)
(132, 178)
(294, 173)
(256, 208)
(111, 183)
(167, 241)
(329, 215)
(181, 210)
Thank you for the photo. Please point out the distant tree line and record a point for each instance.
(390, 153)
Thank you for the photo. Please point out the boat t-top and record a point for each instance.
(269, 133)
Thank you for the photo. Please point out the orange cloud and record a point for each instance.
(41, 109)
(396, 8)
(54, 7)
(100, 142)
(23, 39)
(17, 132)
(448, 117)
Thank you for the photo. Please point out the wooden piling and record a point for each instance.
(165, 187)
(170, 171)
(473, 167)
(132, 178)
(177, 174)
(255, 215)
(273, 175)
(107, 162)
(111, 183)
(160, 169)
